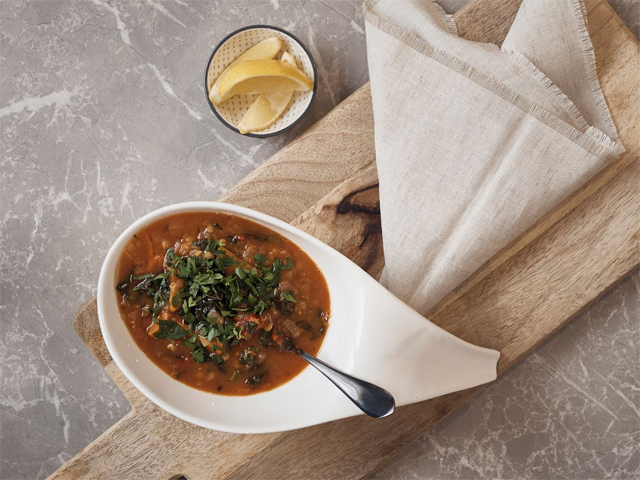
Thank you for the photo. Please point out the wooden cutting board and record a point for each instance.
(325, 183)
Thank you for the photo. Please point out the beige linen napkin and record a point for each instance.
(475, 143)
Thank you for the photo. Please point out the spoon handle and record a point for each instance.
(371, 399)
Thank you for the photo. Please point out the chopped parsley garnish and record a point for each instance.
(219, 290)
(170, 330)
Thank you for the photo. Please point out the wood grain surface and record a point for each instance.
(325, 183)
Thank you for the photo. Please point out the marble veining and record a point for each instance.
(103, 118)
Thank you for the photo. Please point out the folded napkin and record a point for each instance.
(474, 143)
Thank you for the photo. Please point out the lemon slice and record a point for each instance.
(266, 49)
(267, 109)
(262, 76)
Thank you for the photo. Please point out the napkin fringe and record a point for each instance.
(448, 19)
(601, 146)
(564, 101)
(581, 23)
(603, 138)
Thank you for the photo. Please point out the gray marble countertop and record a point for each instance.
(103, 119)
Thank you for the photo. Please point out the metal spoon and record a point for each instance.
(371, 399)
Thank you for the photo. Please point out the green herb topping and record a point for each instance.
(215, 301)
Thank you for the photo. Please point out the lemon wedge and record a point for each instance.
(288, 59)
(262, 76)
(267, 109)
(265, 50)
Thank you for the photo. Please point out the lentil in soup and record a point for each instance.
(213, 300)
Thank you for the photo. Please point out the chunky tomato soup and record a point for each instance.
(215, 301)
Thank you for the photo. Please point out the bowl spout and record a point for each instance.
(411, 357)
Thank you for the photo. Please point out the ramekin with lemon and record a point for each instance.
(260, 81)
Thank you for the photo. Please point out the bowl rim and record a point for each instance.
(300, 117)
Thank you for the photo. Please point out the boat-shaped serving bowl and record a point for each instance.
(372, 335)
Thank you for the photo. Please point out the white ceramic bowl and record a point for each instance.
(372, 335)
(233, 45)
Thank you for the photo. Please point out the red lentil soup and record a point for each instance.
(215, 300)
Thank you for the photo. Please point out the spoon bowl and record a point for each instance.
(371, 399)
